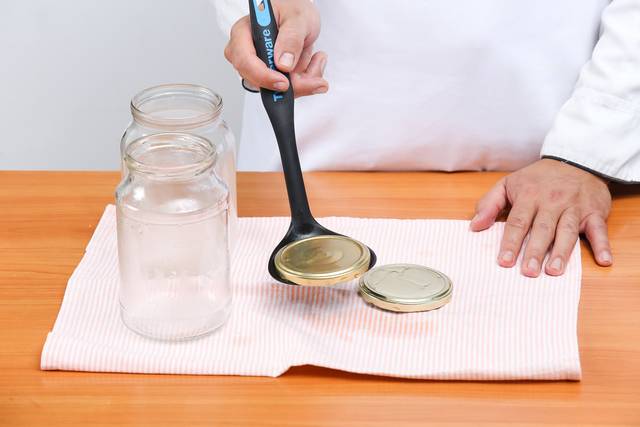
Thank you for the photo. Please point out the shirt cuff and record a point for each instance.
(599, 132)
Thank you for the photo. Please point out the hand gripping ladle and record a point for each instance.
(309, 254)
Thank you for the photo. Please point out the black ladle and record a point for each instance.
(280, 107)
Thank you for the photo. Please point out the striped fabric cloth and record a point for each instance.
(499, 325)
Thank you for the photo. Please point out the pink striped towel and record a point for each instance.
(499, 325)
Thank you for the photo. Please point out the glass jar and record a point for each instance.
(173, 238)
(191, 109)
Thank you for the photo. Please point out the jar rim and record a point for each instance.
(202, 147)
(169, 91)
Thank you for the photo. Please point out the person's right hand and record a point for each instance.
(299, 27)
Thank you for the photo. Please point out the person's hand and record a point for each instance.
(556, 202)
(299, 27)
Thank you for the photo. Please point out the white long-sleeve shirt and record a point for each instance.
(465, 85)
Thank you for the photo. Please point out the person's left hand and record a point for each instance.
(556, 202)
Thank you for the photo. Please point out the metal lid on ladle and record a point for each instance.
(322, 260)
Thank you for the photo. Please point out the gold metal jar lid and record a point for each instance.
(322, 260)
(405, 288)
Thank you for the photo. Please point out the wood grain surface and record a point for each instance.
(47, 218)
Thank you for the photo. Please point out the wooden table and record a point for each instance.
(46, 219)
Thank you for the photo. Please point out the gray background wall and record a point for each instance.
(68, 69)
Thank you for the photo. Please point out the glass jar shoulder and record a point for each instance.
(218, 132)
(160, 200)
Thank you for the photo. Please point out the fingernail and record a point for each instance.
(250, 86)
(605, 257)
(556, 264)
(323, 65)
(321, 89)
(280, 86)
(471, 223)
(286, 59)
(506, 257)
(533, 265)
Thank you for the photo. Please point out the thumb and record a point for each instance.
(291, 36)
(489, 207)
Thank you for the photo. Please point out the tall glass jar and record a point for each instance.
(173, 238)
(191, 109)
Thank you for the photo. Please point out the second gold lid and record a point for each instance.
(406, 288)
